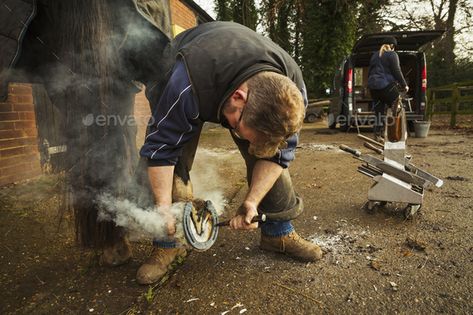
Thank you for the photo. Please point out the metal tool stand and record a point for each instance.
(395, 178)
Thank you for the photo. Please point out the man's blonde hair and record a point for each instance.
(274, 109)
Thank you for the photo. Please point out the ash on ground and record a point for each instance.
(319, 147)
(341, 244)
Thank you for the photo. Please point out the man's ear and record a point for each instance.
(239, 95)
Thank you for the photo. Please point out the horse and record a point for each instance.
(89, 55)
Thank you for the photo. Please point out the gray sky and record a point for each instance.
(208, 6)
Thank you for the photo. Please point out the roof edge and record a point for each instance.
(204, 15)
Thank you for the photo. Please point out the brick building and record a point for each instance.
(20, 157)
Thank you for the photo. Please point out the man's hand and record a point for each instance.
(169, 220)
(242, 220)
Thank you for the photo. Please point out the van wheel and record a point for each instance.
(344, 126)
(343, 122)
(311, 118)
(332, 122)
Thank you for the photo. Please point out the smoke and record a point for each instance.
(206, 179)
(149, 223)
(140, 223)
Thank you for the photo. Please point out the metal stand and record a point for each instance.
(395, 178)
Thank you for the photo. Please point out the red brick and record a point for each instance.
(27, 116)
(30, 169)
(9, 116)
(30, 132)
(19, 177)
(13, 170)
(12, 134)
(5, 107)
(23, 107)
(31, 149)
(7, 125)
(9, 161)
(18, 88)
(8, 152)
(25, 99)
(25, 124)
(35, 172)
(11, 143)
(12, 98)
(15, 160)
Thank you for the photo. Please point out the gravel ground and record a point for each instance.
(374, 262)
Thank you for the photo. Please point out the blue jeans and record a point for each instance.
(276, 228)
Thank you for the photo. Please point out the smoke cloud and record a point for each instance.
(206, 179)
(148, 223)
(140, 223)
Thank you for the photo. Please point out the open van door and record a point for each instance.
(354, 95)
(406, 41)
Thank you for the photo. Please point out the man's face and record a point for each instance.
(234, 110)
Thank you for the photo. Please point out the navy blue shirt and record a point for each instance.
(175, 121)
(385, 70)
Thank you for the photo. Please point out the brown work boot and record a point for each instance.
(292, 245)
(158, 263)
(117, 254)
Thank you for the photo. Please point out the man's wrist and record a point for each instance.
(250, 201)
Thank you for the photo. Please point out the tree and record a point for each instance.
(320, 33)
(438, 15)
(370, 16)
(282, 21)
(245, 13)
(240, 11)
(328, 30)
(223, 9)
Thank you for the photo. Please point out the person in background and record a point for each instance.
(385, 80)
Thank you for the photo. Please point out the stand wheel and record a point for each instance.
(373, 206)
(410, 210)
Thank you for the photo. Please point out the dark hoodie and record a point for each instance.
(385, 70)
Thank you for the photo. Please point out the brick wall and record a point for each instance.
(142, 114)
(182, 16)
(19, 156)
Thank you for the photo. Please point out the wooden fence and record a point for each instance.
(454, 99)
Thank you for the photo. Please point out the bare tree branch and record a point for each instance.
(460, 29)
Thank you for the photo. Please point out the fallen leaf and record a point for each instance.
(416, 244)
(406, 253)
(375, 265)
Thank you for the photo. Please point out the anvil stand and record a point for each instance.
(395, 178)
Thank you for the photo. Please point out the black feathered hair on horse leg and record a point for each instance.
(101, 155)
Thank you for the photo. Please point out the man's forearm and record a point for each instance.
(265, 174)
(160, 178)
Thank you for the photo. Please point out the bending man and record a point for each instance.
(228, 74)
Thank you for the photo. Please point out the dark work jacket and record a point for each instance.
(220, 56)
(384, 70)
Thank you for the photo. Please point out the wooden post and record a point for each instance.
(430, 105)
(454, 106)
